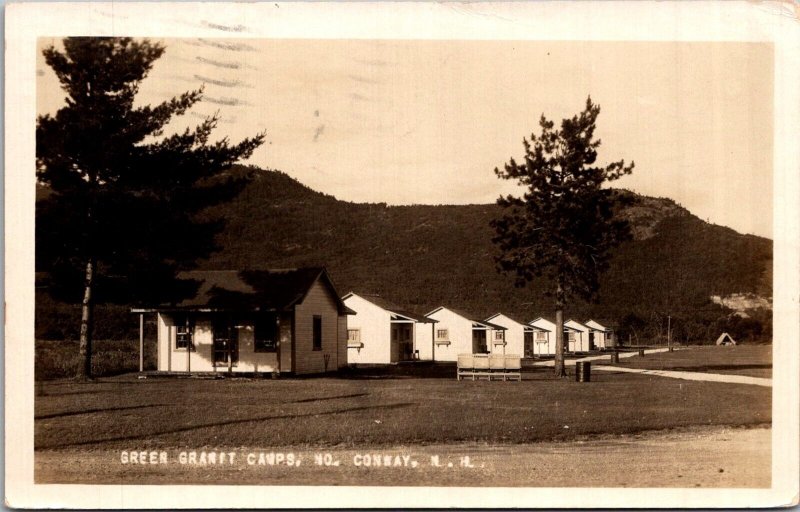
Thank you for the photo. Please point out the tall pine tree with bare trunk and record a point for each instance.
(562, 228)
(120, 218)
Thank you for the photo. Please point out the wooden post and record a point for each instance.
(229, 345)
(169, 348)
(189, 348)
(141, 342)
(278, 341)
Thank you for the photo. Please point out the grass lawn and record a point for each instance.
(379, 407)
(749, 360)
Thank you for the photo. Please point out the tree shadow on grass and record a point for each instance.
(320, 399)
(400, 371)
(92, 411)
(151, 435)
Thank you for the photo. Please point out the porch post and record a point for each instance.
(169, 348)
(433, 341)
(141, 342)
(189, 348)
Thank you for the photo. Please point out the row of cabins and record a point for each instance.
(381, 332)
(294, 321)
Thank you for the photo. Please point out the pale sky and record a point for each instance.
(426, 122)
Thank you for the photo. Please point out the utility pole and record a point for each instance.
(669, 332)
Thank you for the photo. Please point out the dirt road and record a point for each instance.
(691, 457)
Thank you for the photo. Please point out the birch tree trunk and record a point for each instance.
(85, 350)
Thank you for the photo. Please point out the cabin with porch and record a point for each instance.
(544, 338)
(579, 336)
(600, 336)
(382, 332)
(259, 321)
(514, 339)
(458, 332)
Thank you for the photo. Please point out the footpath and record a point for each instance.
(708, 377)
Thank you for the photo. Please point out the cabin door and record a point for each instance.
(402, 342)
(479, 341)
(528, 344)
(591, 340)
(226, 342)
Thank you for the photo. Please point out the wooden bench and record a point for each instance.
(490, 366)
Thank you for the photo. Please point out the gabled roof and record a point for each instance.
(251, 290)
(390, 307)
(475, 319)
(566, 327)
(525, 327)
(600, 326)
(577, 322)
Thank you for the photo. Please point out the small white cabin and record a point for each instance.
(577, 336)
(544, 338)
(382, 332)
(600, 335)
(514, 339)
(259, 321)
(458, 332)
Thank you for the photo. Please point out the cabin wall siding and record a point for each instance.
(342, 345)
(549, 329)
(374, 325)
(514, 336)
(319, 301)
(460, 334)
(423, 340)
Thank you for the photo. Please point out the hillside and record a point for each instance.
(423, 256)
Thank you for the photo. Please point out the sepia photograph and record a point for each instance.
(401, 262)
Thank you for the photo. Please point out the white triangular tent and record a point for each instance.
(725, 339)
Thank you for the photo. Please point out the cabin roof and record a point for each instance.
(472, 318)
(391, 307)
(579, 323)
(250, 290)
(488, 319)
(605, 325)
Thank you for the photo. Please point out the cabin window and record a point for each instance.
(317, 333)
(184, 332)
(265, 334)
(442, 335)
(353, 336)
(541, 336)
(499, 335)
(571, 336)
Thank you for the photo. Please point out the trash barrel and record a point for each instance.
(615, 357)
(641, 352)
(583, 371)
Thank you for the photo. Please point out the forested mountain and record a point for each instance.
(424, 256)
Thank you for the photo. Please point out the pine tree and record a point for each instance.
(121, 214)
(562, 228)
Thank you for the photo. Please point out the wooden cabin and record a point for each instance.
(578, 336)
(516, 338)
(270, 321)
(458, 332)
(382, 332)
(600, 336)
(544, 338)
